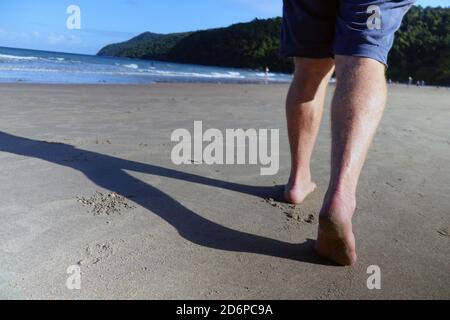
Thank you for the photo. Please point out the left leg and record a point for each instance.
(304, 108)
(308, 31)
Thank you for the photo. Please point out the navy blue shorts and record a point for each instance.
(324, 28)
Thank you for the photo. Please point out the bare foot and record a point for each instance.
(297, 193)
(336, 240)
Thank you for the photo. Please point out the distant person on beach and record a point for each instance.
(353, 39)
(266, 74)
(410, 81)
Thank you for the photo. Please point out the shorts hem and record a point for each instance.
(366, 51)
(307, 52)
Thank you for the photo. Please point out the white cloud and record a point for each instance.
(54, 39)
(23, 36)
(35, 34)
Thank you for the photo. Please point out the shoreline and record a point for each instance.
(199, 83)
(147, 84)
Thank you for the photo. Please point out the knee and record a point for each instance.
(310, 69)
(311, 74)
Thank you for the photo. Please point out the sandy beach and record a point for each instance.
(87, 180)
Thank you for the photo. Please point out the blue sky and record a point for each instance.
(41, 24)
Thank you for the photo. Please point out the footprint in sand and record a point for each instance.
(444, 232)
(103, 141)
(106, 204)
(292, 212)
(96, 252)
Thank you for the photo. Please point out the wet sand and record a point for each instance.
(87, 180)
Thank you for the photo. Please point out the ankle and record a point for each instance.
(300, 177)
(338, 205)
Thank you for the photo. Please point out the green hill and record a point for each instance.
(145, 46)
(422, 49)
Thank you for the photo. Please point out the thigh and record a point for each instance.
(367, 28)
(308, 28)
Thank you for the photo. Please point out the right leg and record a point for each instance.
(358, 106)
(304, 109)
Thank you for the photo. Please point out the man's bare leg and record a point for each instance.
(357, 109)
(304, 109)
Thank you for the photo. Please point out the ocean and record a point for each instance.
(32, 66)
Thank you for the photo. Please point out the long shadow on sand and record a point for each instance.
(109, 172)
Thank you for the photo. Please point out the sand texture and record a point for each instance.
(87, 180)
